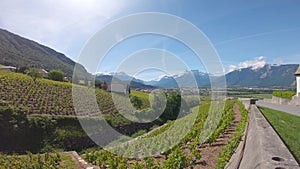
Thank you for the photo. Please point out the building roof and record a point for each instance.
(8, 67)
(298, 71)
(42, 71)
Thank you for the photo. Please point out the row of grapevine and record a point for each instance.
(227, 151)
(154, 151)
(44, 161)
(50, 97)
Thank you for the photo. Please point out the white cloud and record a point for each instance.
(64, 25)
(256, 63)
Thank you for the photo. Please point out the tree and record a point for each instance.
(137, 103)
(22, 69)
(173, 106)
(98, 83)
(56, 75)
(34, 73)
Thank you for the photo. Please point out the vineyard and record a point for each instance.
(185, 142)
(153, 151)
(45, 161)
(46, 96)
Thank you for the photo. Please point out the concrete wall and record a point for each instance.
(298, 85)
(295, 101)
(277, 100)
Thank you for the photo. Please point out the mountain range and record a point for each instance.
(18, 51)
(266, 76)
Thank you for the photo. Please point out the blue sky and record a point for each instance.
(244, 33)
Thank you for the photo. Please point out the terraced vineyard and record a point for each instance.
(177, 144)
(46, 96)
(45, 161)
(187, 152)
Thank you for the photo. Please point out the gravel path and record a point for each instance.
(295, 110)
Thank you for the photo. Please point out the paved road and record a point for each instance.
(285, 108)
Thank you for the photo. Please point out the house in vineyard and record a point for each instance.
(296, 99)
(8, 68)
(43, 72)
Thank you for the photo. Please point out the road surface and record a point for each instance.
(295, 110)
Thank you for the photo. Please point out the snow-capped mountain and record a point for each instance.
(266, 76)
(185, 79)
(260, 76)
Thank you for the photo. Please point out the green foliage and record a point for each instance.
(176, 160)
(40, 133)
(137, 103)
(34, 73)
(173, 106)
(98, 83)
(284, 94)
(56, 75)
(139, 133)
(144, 97)
(227, 151)
(283, 122)
(46, 96)
(175, 157)
(226, 121)
(44, 161)
(22, 69)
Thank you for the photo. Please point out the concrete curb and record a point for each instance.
(264, 148)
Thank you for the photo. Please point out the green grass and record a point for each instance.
(67, 162)
(253, 95)
(287, 126)
(143, 96)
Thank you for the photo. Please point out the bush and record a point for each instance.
(137, 103)
(56, 75)
(34, 73)
(284, 94)
(39, 133)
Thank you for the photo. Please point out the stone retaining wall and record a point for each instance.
(277, 100)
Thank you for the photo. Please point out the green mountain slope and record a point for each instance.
(18, 51)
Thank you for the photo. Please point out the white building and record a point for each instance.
(297, 74)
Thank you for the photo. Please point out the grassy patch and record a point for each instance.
(67, 162)
(287, 126)
(253, 95)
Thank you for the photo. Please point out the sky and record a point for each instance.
(243, 33)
